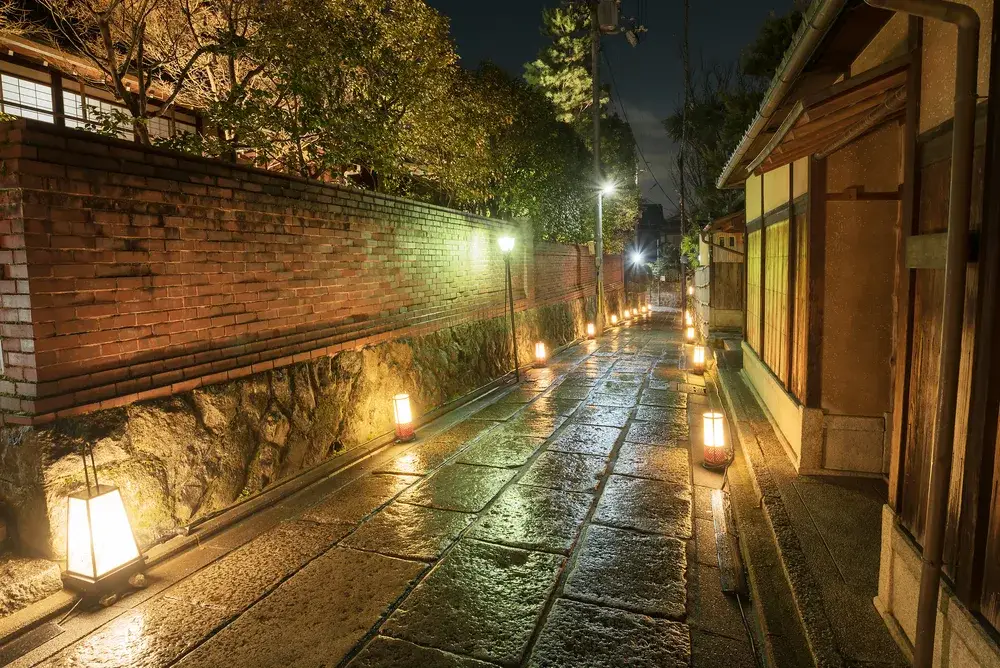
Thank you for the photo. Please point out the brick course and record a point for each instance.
(131, 273)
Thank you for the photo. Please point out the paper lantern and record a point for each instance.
(591, 330)
(101, 548)
(404, 417)
(690, 290)
(614, 319)
(715, 441)
(540, 354)
(689, 334)
(635, 312)
(698, 359)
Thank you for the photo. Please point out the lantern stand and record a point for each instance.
(715, 455)
(102, 552)
(506, 246)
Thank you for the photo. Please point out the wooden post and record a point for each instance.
(790, 284)
(816, 268)
(763, 276)
(904, 278)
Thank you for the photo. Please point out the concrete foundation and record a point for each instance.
(816, 440)
(961, 641)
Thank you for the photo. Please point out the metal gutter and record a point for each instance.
(959, 207)
(816, 23)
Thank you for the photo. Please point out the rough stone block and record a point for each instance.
(24, 581)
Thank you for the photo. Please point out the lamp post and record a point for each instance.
(606, 189)
(636, 259)
(506, 246)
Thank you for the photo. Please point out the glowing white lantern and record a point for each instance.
(591, 330)
(404, 417)
(635, 312)
(614, 319)
(540, 354)
(698, 360)
(688, 320)
(506, 244)
(101, 547)
(690, 290)
(689, 334)
(715, 441)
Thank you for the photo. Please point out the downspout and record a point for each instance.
(959, 209)
(815, 24)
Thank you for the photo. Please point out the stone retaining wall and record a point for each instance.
(212, 328)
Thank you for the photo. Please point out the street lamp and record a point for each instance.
(607, 189)
(403, 415)
(506, 246)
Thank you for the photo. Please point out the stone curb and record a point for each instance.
(807, 598)
(26, 619)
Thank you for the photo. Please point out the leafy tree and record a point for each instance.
(720, 107)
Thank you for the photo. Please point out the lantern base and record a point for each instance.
(405, 433)
(713, 465)
(111, 581)
(540, 365)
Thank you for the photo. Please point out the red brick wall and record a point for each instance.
(132, 273)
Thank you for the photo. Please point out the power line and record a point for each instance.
(621, 105)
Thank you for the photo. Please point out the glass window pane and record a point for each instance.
(26, 99)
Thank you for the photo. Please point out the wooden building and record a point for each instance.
(853, 177)
(718, 280)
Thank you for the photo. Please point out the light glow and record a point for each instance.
(506, 244)
(635, 312)
(690, 290)
(636, 257)
(714, 439)
(614, 319)
(99, 536)
(540, 354)
(608, 188)
(403, 415)
(591, 330)
(688, 320)
(698, 360)
(689, 334)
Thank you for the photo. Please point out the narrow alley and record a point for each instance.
(561, 522)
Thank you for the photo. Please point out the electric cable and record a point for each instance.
(621, 105)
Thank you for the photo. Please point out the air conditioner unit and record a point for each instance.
(607, 15)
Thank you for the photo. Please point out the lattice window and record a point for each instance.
(776, 299)
(25, 98)
(753, 290)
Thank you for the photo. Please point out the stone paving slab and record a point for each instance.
(666, 398)
(353, 502)
(670, 465)
(659, 433)
(535, 518)
(669, 372)
(499, 412)
(656, 384)
(606, 416)
(570, 392)
(565, 470)
(613, 400)
(425, 456)
(558, 405)
(646, 505)
(151, 635)
(533, 423)
(708, 608)
(383, 652)
(621, 387)
(409, 532)
(238, 579)
(678, 416)
(713, 651)
(624, 569)
(483, 600)
(314, 618)
(586, 439)
(521, 395)
(459, 487)
(501, 450)
(588, 636)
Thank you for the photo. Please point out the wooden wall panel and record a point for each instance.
(753, 290)
(776, 300)
(800, 327)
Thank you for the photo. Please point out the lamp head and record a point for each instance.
(608, 188)
(636, 257)
(506, 244)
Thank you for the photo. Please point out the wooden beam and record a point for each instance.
(859, 194)
(859, 96)
(790, 283)
(903, 289)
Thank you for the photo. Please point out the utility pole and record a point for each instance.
(595, 67)
(680, 157)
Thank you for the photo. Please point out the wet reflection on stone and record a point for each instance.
(530, 423)
(501, 450)
(355, 501)
(647, 505)
(535, 518)
(409, 532)
(459, 487)
(499, 411)
(655, 462)
(663, 398)
(564, 470)
(613, 400)
(586, 439)
(607, 416)
(674, 433)
(483, 601)
(383, 652)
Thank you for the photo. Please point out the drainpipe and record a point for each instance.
(960, 194)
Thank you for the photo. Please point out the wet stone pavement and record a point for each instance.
(567, 523)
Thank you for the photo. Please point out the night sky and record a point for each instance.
(508, 32)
